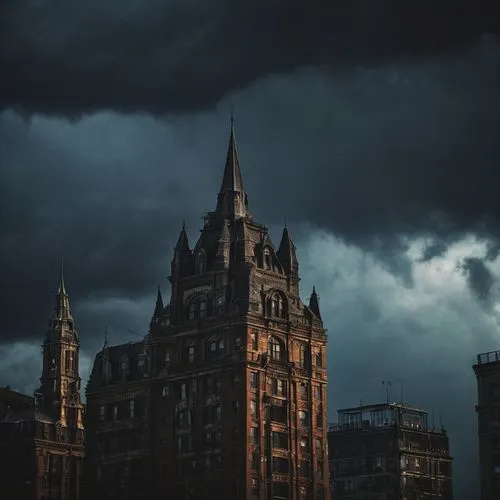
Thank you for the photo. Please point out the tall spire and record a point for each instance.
(61, 289)
(232, 199)
(61, 303)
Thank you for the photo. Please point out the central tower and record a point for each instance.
(238, 402)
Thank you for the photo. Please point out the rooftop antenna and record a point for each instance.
(387, 384)
(106, 340)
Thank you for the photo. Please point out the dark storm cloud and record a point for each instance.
(176, 55)
(479, 277)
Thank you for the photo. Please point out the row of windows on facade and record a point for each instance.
(121, 410)
(201, 307)
(276, 350)
(267, 261)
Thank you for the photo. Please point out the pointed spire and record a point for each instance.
(314, 303)
(232, 199)
(159, 305)
(287, 254)
(182, 242)
(61, 304)
(61, 289)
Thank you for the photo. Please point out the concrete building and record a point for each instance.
(388, 452)
(41, 438)
(487, 372)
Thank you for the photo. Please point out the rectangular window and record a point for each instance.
(254, 344)
(131, 408)
(318, 393)
(115, 412)
(253, 380)
(304, 391)
(303, 417)
(280, 440)
(254, 435)
(253, 409)
(218, 414)
(167, 356)
(165, 391)
(183, 392)
(280, 465)
(191, 354)
(102, 413)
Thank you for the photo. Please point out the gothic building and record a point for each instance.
(41, 438)
(117, 432)
(238, 374)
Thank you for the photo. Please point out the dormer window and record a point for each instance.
(267, 259)
(201, 262)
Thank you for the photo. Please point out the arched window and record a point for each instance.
(198, 308)
(278, 306)
(267, 259)
(275, 349)
(203, 307)
(201, 262)
(192, 311)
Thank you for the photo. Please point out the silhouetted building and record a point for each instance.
(487, 372)
(41, 438)
(388, 452)
(117, 465)
(238, 367)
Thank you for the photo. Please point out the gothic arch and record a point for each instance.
(277, 305)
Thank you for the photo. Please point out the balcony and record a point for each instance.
(488, 357)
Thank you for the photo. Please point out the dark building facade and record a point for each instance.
(487, 372)
(41, 438)
(236, 365)
(117, 460)
(388, 452)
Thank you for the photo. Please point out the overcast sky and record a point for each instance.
(372, 127)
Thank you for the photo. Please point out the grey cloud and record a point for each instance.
(172, 56)
(479, 277)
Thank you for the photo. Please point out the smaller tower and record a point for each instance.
(59, 392)
(314, 303)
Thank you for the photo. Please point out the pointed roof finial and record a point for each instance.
(232, 199)
(159, 304)
(61, 289)
(106, 340)
(183, 224)
(232, 116)
(285, 223)
(314, 303)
